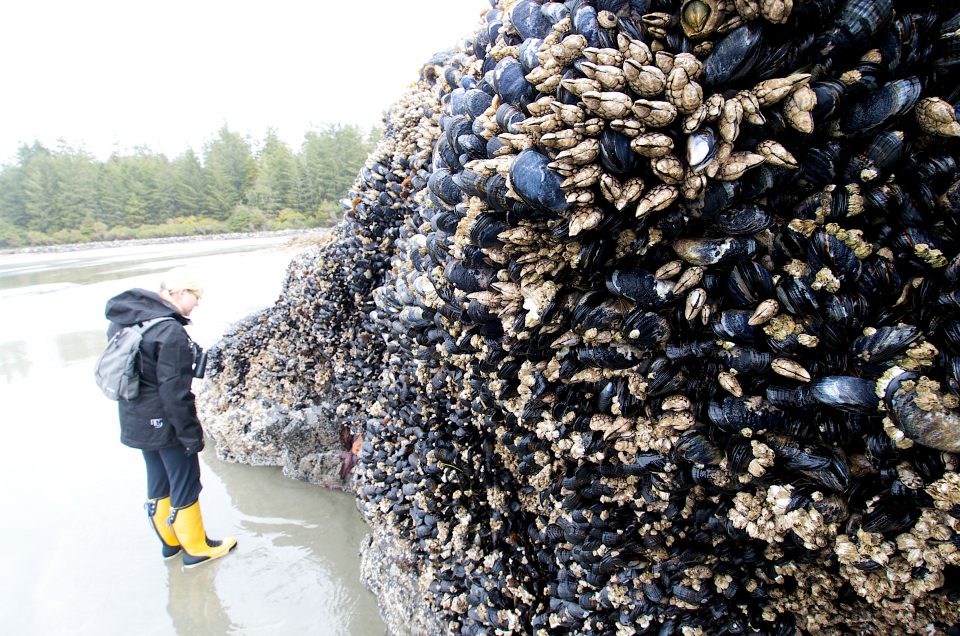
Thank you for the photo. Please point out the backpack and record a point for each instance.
(118, 368)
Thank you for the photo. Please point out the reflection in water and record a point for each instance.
(298, 543)
(192, 601)
(28, 280)
(14, 361)
(74, 346)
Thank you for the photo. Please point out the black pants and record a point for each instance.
(171, 472)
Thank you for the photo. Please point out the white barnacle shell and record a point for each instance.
(654, 113)
(581, 85)
(644, 80)
(611, 57)
(652, 144)
(607, 104)
(798, 107)
(776, 154)
(657, 198)
(611, 78)
(789, 369)
(937, 117)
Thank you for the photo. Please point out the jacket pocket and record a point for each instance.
(146, 428)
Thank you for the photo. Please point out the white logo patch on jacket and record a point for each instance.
(157, 423)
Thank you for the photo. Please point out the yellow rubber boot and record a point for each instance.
(159, 512)
(187, 524)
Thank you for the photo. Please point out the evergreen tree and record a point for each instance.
(150, 175)
(66, 195)
(113, 190)
(40, 189)
(277, 176)
(351, 151)
(12, 195)
(76, 198)
(191, 194)
(231, 169)
(134, 210)
(330, 161)
(311, 167)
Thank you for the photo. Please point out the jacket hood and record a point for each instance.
(137, 305)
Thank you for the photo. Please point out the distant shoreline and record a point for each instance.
(79, 247)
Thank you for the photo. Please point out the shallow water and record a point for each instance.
(80, 555)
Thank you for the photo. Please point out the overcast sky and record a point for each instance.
(109, 75)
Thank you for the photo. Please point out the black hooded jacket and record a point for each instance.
(165, 412)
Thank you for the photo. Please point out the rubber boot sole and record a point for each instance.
(190, 566)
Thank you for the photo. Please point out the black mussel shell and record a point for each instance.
(537, 184)
(889, 102)
(527, 18)
(847, 393)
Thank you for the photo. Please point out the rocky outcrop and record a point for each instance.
(389, 569)
(304, 441)
(270, 398)
(647, 316)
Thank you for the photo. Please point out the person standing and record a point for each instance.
(162, 421)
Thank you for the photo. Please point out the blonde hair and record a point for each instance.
(180, 278)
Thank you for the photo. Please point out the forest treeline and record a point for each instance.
(65, 195)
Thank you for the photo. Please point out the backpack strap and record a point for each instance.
(144, 325)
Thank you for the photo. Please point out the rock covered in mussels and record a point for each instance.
(647, 311)
(285, 383)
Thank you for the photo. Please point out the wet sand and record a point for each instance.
(81, 556)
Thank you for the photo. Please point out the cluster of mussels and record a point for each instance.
(648, 311)
(285, 382)
(673, 334)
